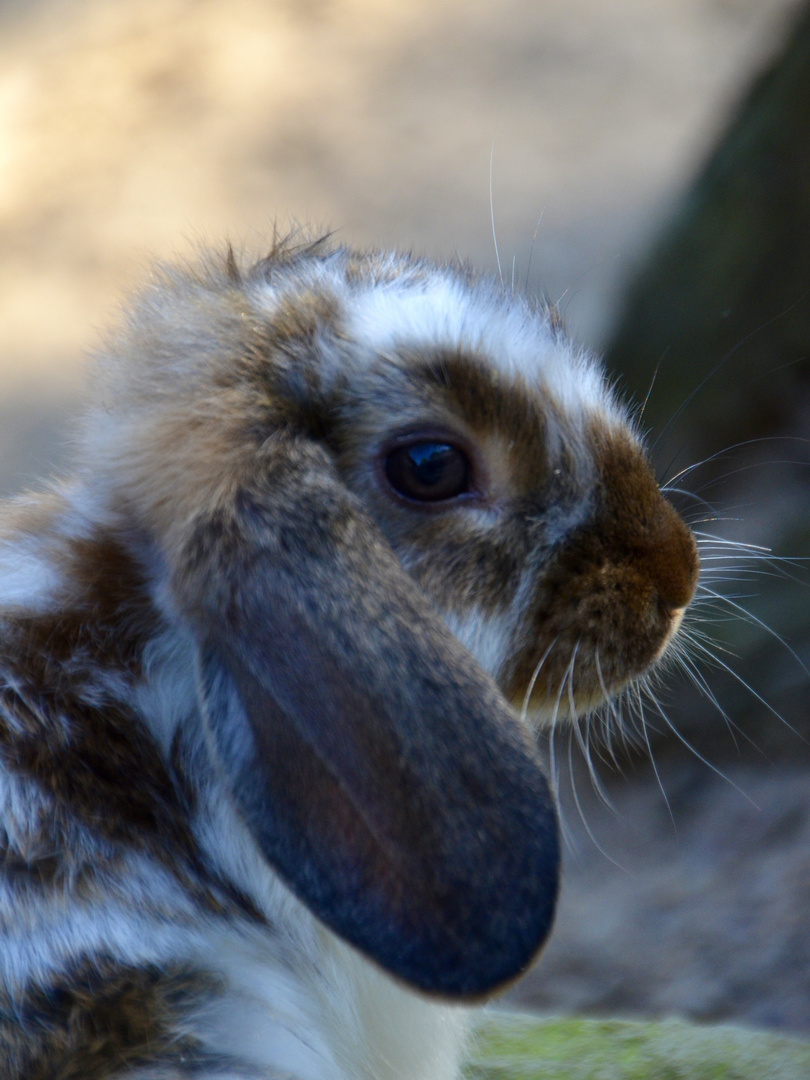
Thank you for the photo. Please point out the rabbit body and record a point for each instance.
(264, 808)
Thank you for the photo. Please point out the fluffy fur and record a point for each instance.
(224, 568)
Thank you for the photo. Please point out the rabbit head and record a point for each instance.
(385, 501)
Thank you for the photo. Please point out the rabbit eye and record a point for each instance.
(428, 471)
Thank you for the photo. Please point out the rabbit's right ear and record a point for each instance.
(378, 768)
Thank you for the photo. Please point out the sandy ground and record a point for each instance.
(144, 127)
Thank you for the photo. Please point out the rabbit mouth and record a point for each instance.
(587, 650)
(613, 596)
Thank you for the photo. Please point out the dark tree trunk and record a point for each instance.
(724, 296)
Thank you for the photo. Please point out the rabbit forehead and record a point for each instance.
(443, 312)
(379, 309)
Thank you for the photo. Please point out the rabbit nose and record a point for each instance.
(673, 561)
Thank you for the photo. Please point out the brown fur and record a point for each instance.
(82, 746)
(95, 759)
(101, 1020)
(610, 594)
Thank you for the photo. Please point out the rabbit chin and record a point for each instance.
(549, 711)
(545, 707)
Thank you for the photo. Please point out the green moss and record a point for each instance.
(517, 1047)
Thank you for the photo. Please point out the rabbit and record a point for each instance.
(344, 529)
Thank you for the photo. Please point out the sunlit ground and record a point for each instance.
(145, 126)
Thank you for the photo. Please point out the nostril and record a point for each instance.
(673, 614)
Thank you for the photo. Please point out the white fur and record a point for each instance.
(440, 310)
(351, 1023)
(27, 577)
(49, 932)
(488, 637)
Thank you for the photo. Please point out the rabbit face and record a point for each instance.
(501, 470)
(542, 538)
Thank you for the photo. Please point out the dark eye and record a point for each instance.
(428, 471)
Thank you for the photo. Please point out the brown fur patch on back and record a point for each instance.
(102, 1020)
(64, 725)
(112, 616)
(67, 730)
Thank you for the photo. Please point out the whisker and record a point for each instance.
(652, 384)
(697, 678)
(492, 213)
(554, 727)
(568, 837)
(654, 764)
(747, 686)
(668, 489)
(724, 540)
(727, 450)
(533, 682)
(749, 617)
(724, 360)
(611, 709)
(577, 729)
(695, 751)
(531, 250)
(581, 812)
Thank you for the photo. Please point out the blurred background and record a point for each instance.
(146, 127)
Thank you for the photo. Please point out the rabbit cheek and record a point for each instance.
(614, 595)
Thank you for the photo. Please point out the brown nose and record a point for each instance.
(672, 558)
(639, 526)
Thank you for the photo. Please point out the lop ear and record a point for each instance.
(378, 768)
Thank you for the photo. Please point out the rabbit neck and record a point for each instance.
(332, 1017)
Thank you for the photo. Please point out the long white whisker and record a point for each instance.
(732, 543)
(567, 835)
(554, 726)
(697, 678)
(575, 793)
(646, 731)
(747, 686)
(492, 213)
(695, 750)
(670, 490)
(524, 711)
(577, 803)
(531, 250)
(750, 617)
(652, 384)
(611, 708)
(729, 449)
(577, 728)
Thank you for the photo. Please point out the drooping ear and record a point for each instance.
(377, 767)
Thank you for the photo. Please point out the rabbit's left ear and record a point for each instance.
(378, 768)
